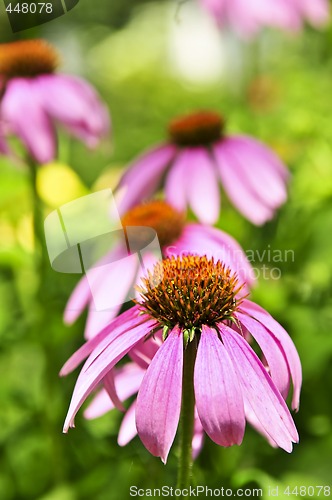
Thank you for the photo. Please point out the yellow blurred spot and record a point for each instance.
(7, 235)
(58, 184)
(24, 233)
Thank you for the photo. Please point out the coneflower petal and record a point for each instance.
(203, 189)
(176, 180)
(159, 397)
(127, 380)
(21, 108)
(279, 332)
(145, 173)
(236, 188)
(128, 429)
(272, 350)
(110, 290)
(271, 188)
(99, 363)
(259, 391)
(120, 324)
(218, 393)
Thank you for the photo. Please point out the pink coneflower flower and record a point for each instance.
(34, 99)
(127, 381)
(193, 300)
(197, 156)
(247, 18)
(176, 237)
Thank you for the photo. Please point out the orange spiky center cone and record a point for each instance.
(198, 129)
(158, 215)
(190, 291)
(27, 58)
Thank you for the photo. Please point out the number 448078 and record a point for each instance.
(30, 8)
(308, 491)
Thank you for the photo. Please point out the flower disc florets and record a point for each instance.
(159, 215)
(198, 129)
(190, 291)
(27, 58)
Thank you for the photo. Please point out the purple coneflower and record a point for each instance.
(34, 99)
(127, 381)
(197, 155)
(205, 359)
(247, 18)
(176, 237)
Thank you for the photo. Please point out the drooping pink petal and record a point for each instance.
(286, 342)
(257, 173)
(128, 430)
(218, 393)
(106, 286)
(198, 437)
(74, 103)
(109, 384)
(143, 177)
(100, 361)
(276, 13)
(79, 299)
(144, 350)
(100, 404)
(247, 18)
(259, 392)
(272, 350)
(159, 397)
(23, 112)
(111, 287)
(176, 181)
(127, 380)
(81, 294)
(121, 323)
(255, 423)
(237, 189)
(202, 186)
(266, 154)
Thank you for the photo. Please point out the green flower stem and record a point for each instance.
(38, 226)
(187, 417)
(41, 324)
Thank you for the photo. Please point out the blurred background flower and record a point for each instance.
(34, 99)
(197, 156)
(247, 18)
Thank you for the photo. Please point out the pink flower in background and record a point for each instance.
(176, 237)
(248, 17)
(34, 100)
(195, 304)
(197, 156)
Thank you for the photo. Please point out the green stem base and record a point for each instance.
(187, 417)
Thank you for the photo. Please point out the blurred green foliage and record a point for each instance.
(280, 92)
